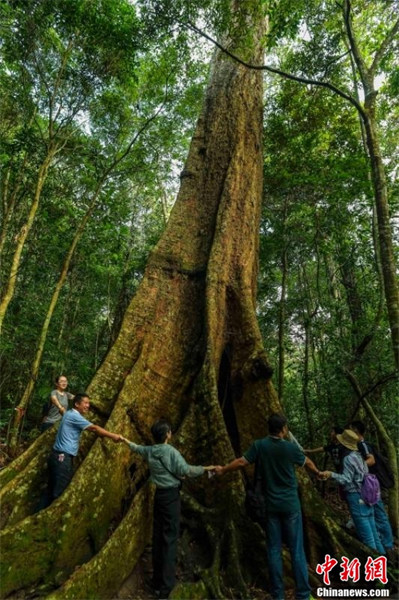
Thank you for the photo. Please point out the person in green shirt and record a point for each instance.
(277, 459)
(167, 469)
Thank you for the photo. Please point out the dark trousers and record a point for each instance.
(44, 426)
(164, 538)
(60, 466)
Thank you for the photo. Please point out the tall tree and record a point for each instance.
(383, 46)
(367, 69)
(189, 334)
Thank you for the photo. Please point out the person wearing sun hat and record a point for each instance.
(351, 478)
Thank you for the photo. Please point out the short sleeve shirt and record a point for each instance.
(69, 432)
(277, 459)
(54, 414)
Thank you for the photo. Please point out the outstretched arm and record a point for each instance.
(312, 450)
(234, 465)
(115, 437)
(309, 464)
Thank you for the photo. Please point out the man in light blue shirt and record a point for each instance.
(66, 445)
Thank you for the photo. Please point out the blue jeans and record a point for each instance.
(289, 525)
(363, 518)
(383, 526)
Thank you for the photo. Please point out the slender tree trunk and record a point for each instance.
(23, 234)
(9, 198)
(7, 214)
(305, 381)
(391, 285)
(282, 306)
(378, 178)
(308, 315)
(27, 394)
(6, 209)
(281, 324)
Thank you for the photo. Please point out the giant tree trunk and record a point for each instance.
(189, 349)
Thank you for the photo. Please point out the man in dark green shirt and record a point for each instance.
(276, 463)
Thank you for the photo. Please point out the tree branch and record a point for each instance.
(361, 65)
(384, 46)
(290, 76)
(358, 391)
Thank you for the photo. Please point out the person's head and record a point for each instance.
(334, 431)
(277, 424)
(81, 403)
(358, 427)
(160, 431)
(348, 439)
(61, 382)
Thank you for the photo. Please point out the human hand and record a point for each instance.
(209, 468)
(323, 475)
(117, 438)
(218, 470)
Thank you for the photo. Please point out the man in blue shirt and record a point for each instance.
(277, 458)
(66, 445)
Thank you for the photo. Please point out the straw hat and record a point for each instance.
(349, 439)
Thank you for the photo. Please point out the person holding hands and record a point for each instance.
(351, 479)
(276, 459)
(167, 470)
(66, 446)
